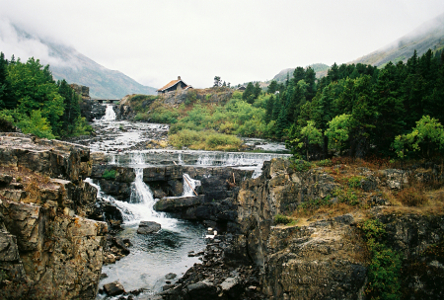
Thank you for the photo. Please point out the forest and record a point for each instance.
(31, 100)
(356, 110)
(394, 112)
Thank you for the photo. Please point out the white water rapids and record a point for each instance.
(154, 256)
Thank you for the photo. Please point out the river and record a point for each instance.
(154, 256)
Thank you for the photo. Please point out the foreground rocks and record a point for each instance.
(49, 249)
(147, 227)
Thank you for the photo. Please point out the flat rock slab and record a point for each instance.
(147, 227)
(114, 288)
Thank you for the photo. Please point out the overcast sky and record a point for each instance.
(155, 41)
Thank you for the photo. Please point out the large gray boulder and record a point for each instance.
(147, 227)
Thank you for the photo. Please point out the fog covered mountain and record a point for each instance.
(67, 63)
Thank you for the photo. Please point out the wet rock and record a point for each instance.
(202, 290)
(148, 227)
(170, 276)
(114, 288)
(178, 204)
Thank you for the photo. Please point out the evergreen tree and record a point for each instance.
(4, 86)
(248, 94)
(72, 108)
(298, 74)
(333, 73)
(310, 79)
(272, 87)
(269, 109)
(257, 90)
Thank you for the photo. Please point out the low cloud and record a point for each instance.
(14, 41)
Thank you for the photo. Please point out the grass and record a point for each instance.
(420, 197)
(206, 140)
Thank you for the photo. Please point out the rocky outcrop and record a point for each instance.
(420, 240)
(48, 248)
(92, 110)
(81, 90)
(113, 180)
(324, 257)
(212, 95)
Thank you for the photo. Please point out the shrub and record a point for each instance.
(355, 181)
(301, 165)
(385, 263)
(324, 163)
(109, 174)
(280, 219)
(36, 125)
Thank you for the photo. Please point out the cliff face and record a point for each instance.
(326, 254)
(327, 258)
(48, 247)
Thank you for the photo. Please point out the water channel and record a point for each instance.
(154, 256)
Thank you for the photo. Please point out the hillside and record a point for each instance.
(430, 35)
(319, 68)
(67, 63)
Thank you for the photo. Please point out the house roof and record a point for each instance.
(173, 83)
(170, 84)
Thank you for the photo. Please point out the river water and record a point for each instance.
(154, 256)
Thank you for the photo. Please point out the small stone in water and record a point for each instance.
(170, 276)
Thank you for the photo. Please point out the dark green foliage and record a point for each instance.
(377, 105)
(6, 126)
(32, 101)
(385, 263)
(109, 174)
(72, 109)
(269, 109)
(272, 88)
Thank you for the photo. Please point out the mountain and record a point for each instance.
(103, 82)
(67, 63)
(318, 68)
(430, 35)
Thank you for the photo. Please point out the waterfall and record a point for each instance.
(141, 202)
(189, 186)
(110, 115)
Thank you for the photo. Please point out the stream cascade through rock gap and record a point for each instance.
(156, 255)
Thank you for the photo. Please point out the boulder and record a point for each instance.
(147, 227)
(114, 288)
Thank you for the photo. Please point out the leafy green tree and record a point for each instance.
(338, 132)
(302, 139)
(37, 125)
(425, 141)
(33, 87)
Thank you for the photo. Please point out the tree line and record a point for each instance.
(31, 100)
(360, 110)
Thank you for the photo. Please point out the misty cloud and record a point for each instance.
(14, 41)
